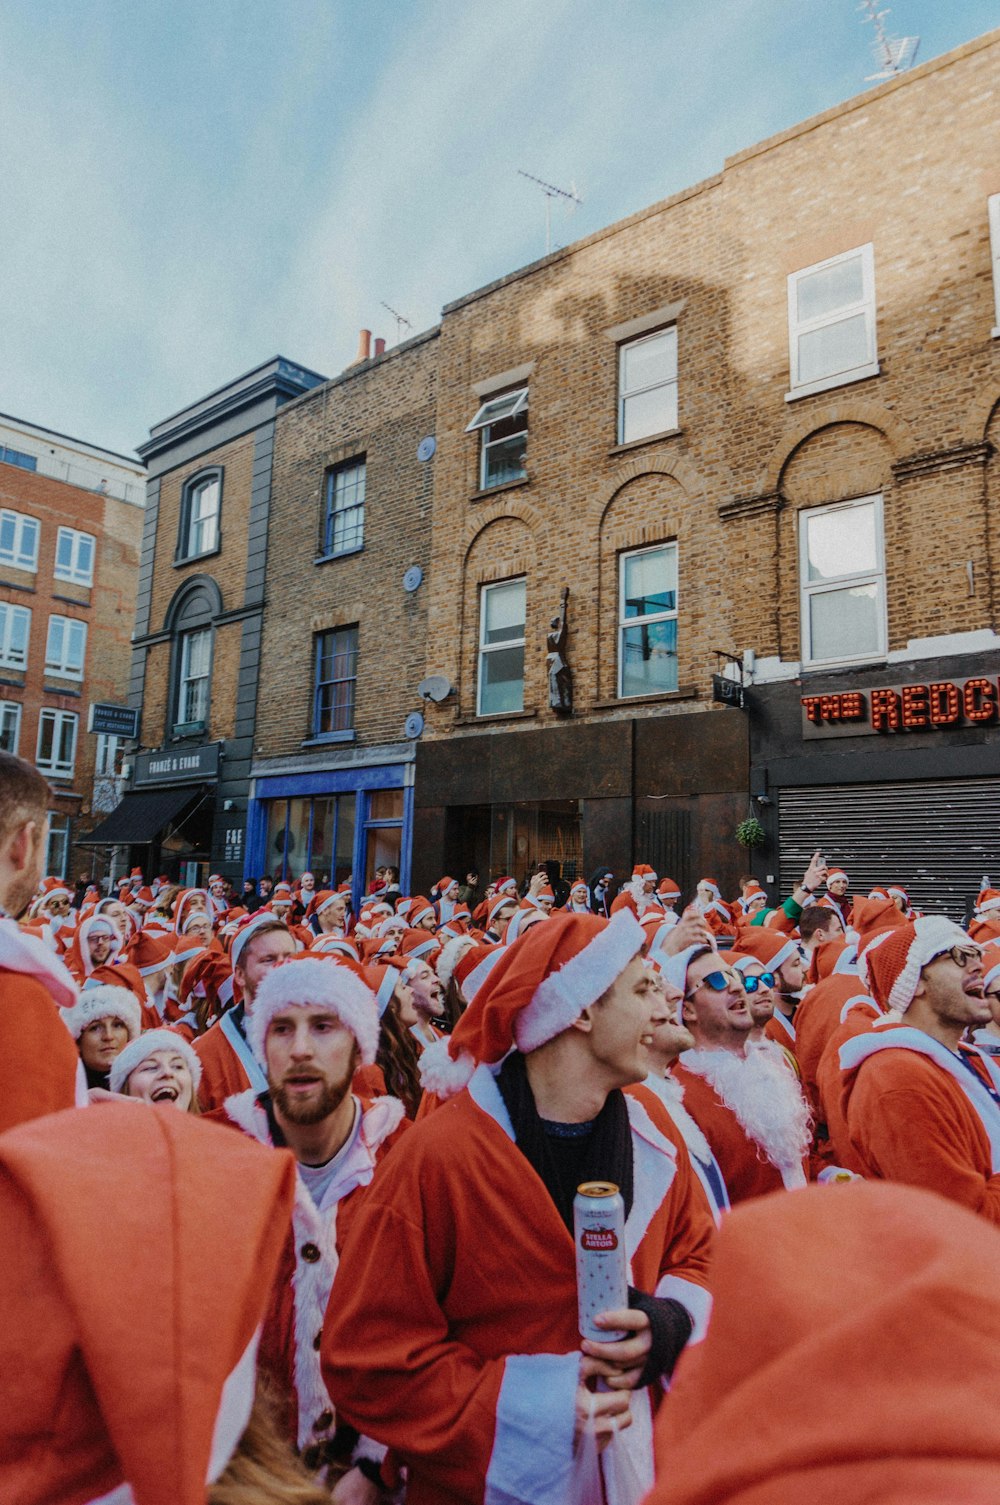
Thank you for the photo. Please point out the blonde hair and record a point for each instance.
(266, 1467)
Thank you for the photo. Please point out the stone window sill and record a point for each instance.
(527, 715)
(685, 692)
(625, 449)
(482, 496)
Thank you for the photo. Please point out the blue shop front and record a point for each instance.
(339, 824)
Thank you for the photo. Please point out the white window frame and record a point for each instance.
(993, 206)
(487, 648)
(57, 767)
(57, 640)
(808, 589)
(19, 558)
(869, 366)
(194, 491)
(106, 755)
(9, 614)
(184, 677)
(10, 724)
(659, 386)
(498, 408)
(647, 621)
(74, 573)
(57, 840)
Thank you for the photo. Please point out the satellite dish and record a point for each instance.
(426, 448)
(437, 687)
(413, 725)
(413, 578)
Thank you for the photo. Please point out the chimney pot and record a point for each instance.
(364, 346)
(380, 347)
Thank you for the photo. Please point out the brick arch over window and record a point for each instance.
(195, 604)
(834, 415)
(651, 508)
(503, 548)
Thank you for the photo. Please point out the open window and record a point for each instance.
(502, 423)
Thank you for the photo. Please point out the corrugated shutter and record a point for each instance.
(935, 838)
(665, 835)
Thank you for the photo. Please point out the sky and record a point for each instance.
(189, 188)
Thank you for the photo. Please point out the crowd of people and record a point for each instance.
(287, 1190)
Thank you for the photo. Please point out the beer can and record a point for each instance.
(601, 1266)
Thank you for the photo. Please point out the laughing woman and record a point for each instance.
(158, 1067)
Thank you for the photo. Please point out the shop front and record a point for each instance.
(165, 820)
(894, 773)
(339, 824)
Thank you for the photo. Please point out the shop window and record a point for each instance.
(994, 213)
(66, 647)
(344, 510)
(56, 751)
(193, 681)
(647, 386)
(10, 727)
(502, 424)
(75, 557)
(315, 835)
(501, 648)
(842, 576)
(383, 831)
(335, 677)
(19, 540)
(831, 322)
(15, 631)
(201, 506)
(57, 846)
(106, 757)
(647, 621)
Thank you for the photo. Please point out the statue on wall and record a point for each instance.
(560, 675)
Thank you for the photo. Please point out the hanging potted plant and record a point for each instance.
(750, 833)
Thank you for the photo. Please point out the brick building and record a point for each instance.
(761, 418)
(344, 637)
(197, 627)
(71, 518)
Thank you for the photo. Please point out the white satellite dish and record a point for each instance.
(436, 687)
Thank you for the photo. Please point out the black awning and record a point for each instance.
(140, 817)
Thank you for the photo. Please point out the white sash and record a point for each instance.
(247, 1059)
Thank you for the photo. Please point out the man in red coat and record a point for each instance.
(744, 1097)
(227, 1062)
(313, 1023)
(920, 1107)
(39, 1063)
(452, 1333)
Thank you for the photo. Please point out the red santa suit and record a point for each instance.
(858, 1017)
(40, 1069)
(423, 1360)
(751, 1110)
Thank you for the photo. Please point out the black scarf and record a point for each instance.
(609, 1149)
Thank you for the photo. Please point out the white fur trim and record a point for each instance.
(983, 908)
(312, 982)
(103, 1002)
(764, 1097)
(933, 936)
(136, 1051)
(451, 955)
(441, 1074)
(562, 997)
(249, 929)
(30, 957)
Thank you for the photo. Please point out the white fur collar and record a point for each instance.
(671, 1093)
(764, 1096)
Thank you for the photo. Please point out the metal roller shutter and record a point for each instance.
(935, 838)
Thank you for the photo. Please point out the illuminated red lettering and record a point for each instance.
(852, 706)
(811, 706)
(829, 707)
(885, 710)
(916, 710)
(979, 700)
(945, 703)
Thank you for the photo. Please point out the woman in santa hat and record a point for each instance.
(158, 1067)
(102, 1022)
(397, 1056)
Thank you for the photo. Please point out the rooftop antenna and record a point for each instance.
(401, 321)
(893, 55)
(551, 192)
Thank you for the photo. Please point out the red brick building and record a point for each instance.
(71, 518)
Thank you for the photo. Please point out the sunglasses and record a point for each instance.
(719, 982)
(762, 980)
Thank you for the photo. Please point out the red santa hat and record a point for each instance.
(403, 906)
(769, 947)
(246, 929)
(892, 967)
(145, 898)
(104, 1002)
(579, 889)
(536, 991)
(78, 952)
(988, 900)
(318, 983)
(833, 873)
(712, 887)
(878, 892)
(335, 945)
(668, 887)
(642, 873)
(382, 978)
(872, 916)
(322, 900)
(444, 886)
(208, 975)
(544, 892)
(418, 943)
(991, 964)
(183, 904)
(500, 902)
(215, 878)
(149, 953)
(474, 967)
(524, 917)
(505, 886)
(143, 1384)
(141, 1048)
(50, 888)
(281, 893)
(450, 955)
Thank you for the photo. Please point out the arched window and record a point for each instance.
(190, 621)
(201, 509)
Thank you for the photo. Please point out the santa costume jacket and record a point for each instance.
(746, 1167)
(452, 1332)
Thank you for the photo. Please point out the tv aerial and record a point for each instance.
(568, 195)
(402, 322)
(893, 55)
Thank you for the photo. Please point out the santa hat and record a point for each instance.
(403, 906)
(382, 979)
(141, 1048)
(145, 898)
(450, 955)
(143, 1384)
(104, 1002)
(183, 904)
(500, 902)
(505, 886)
(991, 965)
(281, 893)
(892, 967)
(474, 967)
(833, 873)
(215, 878)
(878, 892)
(712, 887)
(136, 872)
(902, 1365)
(419, 943)
(872, 916)
(536, 991)
(313, 982)
(769, 947)
(444, 885)
(642, 873)
(335, 945)
(989, 899)
(248, 928)
(579, 889)
(208, 975)
(544, 892)
(524, 916)
(895, 892)
(392, 925)
(668, 887)
(79, 951)
(50, 888)
(674, 967)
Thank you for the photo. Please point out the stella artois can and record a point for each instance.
(601, 1270)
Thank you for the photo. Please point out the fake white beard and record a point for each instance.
(670, 1090)
(762, 1092)
(643, 901)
